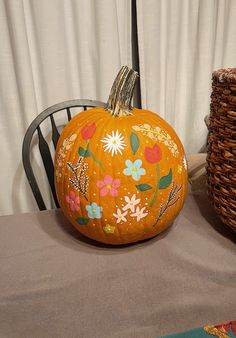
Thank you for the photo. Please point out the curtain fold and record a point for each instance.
(57, 50)
(52, 51)
(180, 43)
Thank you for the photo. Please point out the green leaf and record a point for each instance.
(82, 221)
(143, 187)
(165, 181)
(134, 142)
(84, 152)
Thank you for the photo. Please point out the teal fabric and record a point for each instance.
(195, 333)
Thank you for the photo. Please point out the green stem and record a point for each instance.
(87, 146)
(97, 161)
(93, 156)
(157, 186)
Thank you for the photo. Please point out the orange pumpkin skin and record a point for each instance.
(120, 179)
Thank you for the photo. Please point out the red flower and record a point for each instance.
(153, 155)
(88, 131)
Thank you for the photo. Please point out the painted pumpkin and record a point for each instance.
(120, 172)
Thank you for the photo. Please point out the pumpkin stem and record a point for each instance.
(119, 102)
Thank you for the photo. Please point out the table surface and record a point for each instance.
(56, 283)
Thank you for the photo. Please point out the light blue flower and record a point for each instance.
(94, 210)
(134, 169)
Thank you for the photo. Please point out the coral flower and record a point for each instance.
(153, 155)
(88, 131)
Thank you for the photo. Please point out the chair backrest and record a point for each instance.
(44, 146)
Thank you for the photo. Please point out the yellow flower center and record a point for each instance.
(94, 210)
(134, 170)
(114, 142)
(109, 187)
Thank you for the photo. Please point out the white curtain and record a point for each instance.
(52, 51)
(56, 50)
(180, 43)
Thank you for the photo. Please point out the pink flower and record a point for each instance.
(73, 200)
(108, 185)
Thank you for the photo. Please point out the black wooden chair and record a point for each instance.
(43, 145)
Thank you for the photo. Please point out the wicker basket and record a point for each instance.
(221, 157)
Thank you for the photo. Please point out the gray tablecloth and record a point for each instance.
(55, 283)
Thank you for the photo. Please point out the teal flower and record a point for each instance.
(134, 169)
(94, 210)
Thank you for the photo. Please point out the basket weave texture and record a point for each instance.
(221, 153)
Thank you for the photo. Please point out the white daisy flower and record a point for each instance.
(131, 202)
(114, 143)
(120, 216)
(139, 213)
